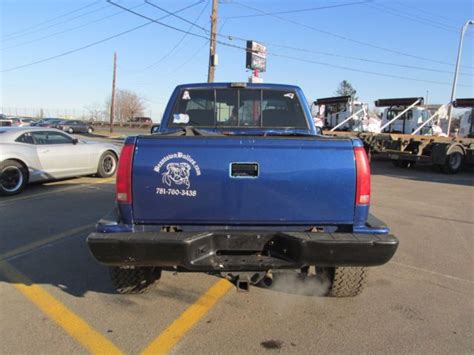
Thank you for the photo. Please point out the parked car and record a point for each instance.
(30, 154)
(47, 122)
(5, 122)
(237, 182)
(75, 126)
(22, 122)
(145, 120)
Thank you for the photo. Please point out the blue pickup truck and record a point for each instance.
(237, 182)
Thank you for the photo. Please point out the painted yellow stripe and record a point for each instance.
(47, 193)
(39, 243)
(77, 328)
(171, 335)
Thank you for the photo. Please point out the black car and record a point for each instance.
(75, 126)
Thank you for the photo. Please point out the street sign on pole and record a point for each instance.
(256, 58)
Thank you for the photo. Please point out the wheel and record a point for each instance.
(90, 130)
(70, 130)
(133, 280)
(345, 281)
(454, 161)
(107, 164)
(13, 177)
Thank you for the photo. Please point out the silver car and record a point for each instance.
(31, 154)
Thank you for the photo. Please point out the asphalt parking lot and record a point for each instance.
(55, 298)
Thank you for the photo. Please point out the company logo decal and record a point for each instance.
(176, 170)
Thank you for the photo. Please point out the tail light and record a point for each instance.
(363, 176)
(124, 175)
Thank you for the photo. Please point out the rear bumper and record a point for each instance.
(241, 250)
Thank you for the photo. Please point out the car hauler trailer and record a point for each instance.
(448, 153)
(406, 149)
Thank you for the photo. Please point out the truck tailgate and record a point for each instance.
(243, 180)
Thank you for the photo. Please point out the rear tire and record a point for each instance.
(70, 131)
(454, 162)
(13, 178)
(134, 280)
(107, 164)
(345, 281)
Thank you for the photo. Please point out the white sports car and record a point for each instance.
(30, 154)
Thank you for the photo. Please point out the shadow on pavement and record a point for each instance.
(423, 173)
(69, 266)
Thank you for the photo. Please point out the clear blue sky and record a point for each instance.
(421, 28)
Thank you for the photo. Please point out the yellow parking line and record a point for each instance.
(171, 335)
(42, 194)
(72, 324)
(38, 243)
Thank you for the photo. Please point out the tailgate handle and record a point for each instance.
(244, 170)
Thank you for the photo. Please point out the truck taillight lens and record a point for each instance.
(363, 176)
(124, 175)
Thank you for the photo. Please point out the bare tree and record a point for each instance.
(127, 105)
(95, 112)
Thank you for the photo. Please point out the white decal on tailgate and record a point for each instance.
(175, 170)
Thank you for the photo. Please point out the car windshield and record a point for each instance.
(244, 108)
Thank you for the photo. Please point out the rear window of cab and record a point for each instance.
(267, 108)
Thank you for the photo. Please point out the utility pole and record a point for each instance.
(213, 44)
(456, 72)
(112, 100)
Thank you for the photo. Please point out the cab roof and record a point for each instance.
(223, 85)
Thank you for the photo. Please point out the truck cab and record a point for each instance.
(408, 122)
(333, 111)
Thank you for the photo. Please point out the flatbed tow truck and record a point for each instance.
(406, 149)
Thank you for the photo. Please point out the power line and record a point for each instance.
(224, 44)
(52, 19)
(170, 26)
(360, 70)
(300, 10)
(193, 24)
(94, 43)
(180, 40)
(418, 19)
(427, 11)
(67, 30)
(195, 53)
(286, 56)
(364, 59)
(345, 38)
(55, 24)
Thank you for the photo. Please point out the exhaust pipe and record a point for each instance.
(243, 285)
(267, 280)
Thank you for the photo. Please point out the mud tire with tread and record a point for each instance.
(345, 281)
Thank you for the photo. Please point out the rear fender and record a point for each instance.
(440, 151)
